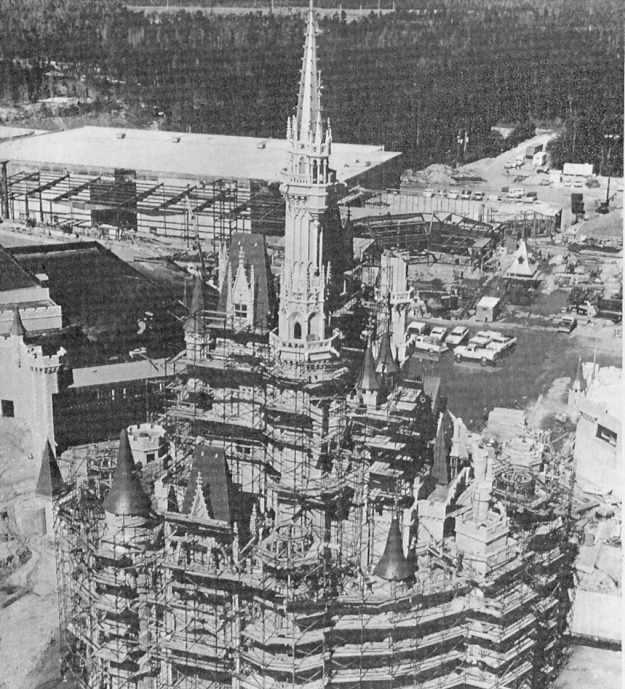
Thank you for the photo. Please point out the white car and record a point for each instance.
(453, 194)
(457, 336)
(500, 342)
(478, 195)
(438, 333)
(476, 353)
(428, 192)
(427, 344)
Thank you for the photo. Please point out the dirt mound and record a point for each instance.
(436, 175)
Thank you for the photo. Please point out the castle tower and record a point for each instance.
(308, 183)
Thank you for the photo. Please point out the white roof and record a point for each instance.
(597, 615)
(176, 154)
(120, 373)
(578, 169)
(488, 302)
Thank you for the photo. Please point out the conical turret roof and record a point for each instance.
(50, 482)
(386, 364)
(17, 327)
(126, 497)
(195, 322)
(393, 565)
(368, 380)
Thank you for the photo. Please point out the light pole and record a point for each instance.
(610, 138)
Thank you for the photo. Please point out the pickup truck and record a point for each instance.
(476, 353)
(500, 342)
(427, 344)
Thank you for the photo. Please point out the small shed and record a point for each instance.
(487, 309)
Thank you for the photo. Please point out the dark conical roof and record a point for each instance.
(50, 482)
(368, 380)
(126, 497)
(393, 565)
(442, 445)
(17, 327)
(195, 322)
(386, 364)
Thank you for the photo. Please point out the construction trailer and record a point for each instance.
(318, 531)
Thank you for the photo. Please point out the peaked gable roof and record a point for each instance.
(251, 247)
(210, 471)
(521, 266)
(442, 446)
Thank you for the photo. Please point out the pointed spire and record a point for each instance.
(385, 363)
(308, 102)
(579, 383)
(195, 322)
(17, 327)
(368, 380)
(126, 497)
(393, 565)
(442, 444)
(50, 482)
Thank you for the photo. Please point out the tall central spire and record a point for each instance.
(309, 101)
(307, 126)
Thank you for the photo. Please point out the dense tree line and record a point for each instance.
(415, 81)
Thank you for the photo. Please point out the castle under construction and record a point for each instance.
(302, 516)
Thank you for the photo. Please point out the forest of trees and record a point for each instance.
(410, 80)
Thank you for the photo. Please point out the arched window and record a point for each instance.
(297, 330)
(315, 171)
(302, 166)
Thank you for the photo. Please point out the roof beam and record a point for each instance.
(47, 185)
(22, 177)
(75, 190)
(175, 199)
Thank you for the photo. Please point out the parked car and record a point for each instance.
(478, 195)
(457, 336)
(508, 166)
(453, 194)
(427, 344)
(466, 194)
(474, 352)
(501, 342)
(516, 193)
(428, 192)
(438, 333)
(567, 324)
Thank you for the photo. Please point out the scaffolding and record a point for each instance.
(283, 592)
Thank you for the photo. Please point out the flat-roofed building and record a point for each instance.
(166, 183)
